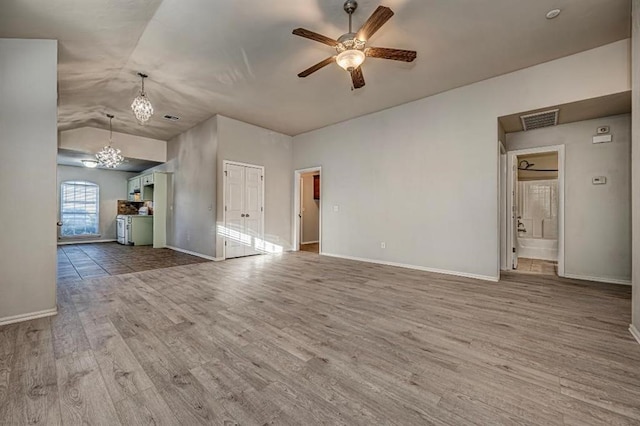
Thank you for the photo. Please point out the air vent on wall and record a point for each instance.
(171, 117)
(540, 119)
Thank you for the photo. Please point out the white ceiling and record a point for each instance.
(239, 58)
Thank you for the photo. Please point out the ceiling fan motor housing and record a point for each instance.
(350, 6)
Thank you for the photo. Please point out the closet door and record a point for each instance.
(236, 239)
(243, 210)
(253, 207)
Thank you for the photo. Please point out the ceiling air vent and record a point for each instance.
(540, 119)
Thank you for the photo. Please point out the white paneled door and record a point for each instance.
(244, 194)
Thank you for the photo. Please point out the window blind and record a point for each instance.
(79, 208)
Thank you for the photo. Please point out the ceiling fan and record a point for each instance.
(351, 48)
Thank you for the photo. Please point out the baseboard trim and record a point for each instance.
(193, 253)
(598, 279)
(29, 316)
(418, 268)
(634, 332)
(67, 242)
(309, 242)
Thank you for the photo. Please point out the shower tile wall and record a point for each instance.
(538, 208)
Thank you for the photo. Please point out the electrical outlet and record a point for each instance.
(383, 245)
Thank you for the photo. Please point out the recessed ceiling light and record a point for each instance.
(553, 13)
(171, 117)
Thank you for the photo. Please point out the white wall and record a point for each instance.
(422, 177)
(311, 213)
(113, 187)
(91, 140)
(597, 217)
(28, 148)
(251, 144)
(635, 161)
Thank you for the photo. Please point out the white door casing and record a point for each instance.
(514, 215)
(512, 157)
(243, 210)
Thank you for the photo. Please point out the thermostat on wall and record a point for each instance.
(602, 139)
(599, 180)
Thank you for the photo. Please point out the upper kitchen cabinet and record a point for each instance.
(133, 188)
(147, 179)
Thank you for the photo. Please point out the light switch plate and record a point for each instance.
(336, 208)
(599, 180)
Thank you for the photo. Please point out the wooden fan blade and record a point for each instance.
(381, 15)
(357, 78)
(393, 54)
(315, 36)
(317, 66)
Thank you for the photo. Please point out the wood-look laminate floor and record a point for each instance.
(303, 339)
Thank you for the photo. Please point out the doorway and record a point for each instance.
(536, 210)
(243, 209)
(307, 210)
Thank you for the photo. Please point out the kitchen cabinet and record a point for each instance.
(133, 187)
(147, 179)
(153, 187)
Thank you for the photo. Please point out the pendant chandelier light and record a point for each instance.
(142, 108)
(109, 156)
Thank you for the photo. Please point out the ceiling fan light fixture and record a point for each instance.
(350, 59)
(141, 107)
(92, 164)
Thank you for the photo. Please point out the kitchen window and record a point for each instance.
(79, 209)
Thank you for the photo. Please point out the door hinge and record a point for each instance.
(225, 173)
(261, 209)
(513, 249)
(225, 243)
(261, 177)
(225, 208)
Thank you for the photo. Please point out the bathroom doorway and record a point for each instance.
(536, 209)
(308, 210)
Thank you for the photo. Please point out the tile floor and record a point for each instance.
(81, 261)
(537, 266)
(313, 247)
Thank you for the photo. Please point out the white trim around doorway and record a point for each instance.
(224, 199)
(512, 161)
(297, 175)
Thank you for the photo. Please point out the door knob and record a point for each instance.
(242, 215)
(246, 215)
(58, 223)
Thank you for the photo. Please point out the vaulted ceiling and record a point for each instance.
(238, 57)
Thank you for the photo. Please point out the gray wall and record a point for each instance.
(113, 187)
(597, 217)
(422, 176)
(28, 148)
(311, 213)
(251, 144)
(191, 219)
(635, 152)
(195, 192)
